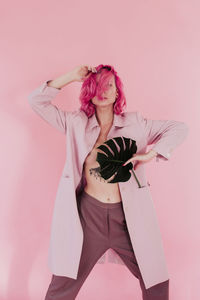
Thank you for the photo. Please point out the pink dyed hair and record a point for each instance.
(92, 87)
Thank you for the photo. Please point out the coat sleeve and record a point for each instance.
(166, 135)
(40, 101)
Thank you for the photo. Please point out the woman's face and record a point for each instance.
(110, 94)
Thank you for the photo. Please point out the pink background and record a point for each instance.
(155, 48)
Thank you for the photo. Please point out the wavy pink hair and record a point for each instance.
(96, 87)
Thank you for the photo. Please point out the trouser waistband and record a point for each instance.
(97, 202)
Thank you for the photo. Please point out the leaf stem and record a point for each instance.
(136, 178)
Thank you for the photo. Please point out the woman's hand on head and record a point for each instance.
(141, 158)
(80, 73)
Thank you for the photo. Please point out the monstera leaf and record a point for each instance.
(112, 159)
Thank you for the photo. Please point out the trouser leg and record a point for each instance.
(159, 291)
(94, 245)
(66, 288)
(121, 243)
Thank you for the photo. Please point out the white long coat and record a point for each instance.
(81, 134)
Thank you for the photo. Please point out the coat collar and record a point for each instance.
(118, 121)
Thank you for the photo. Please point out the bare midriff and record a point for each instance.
(96, 186)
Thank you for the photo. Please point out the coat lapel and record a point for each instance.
(120, 120)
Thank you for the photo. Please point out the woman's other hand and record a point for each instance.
(141, 158)
(80, 73)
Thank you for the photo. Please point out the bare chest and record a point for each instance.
(96, 185)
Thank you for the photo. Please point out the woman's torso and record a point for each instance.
(96, 186)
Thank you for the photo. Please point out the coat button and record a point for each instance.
(66, 176)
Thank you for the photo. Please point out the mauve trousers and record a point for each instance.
(104, 227)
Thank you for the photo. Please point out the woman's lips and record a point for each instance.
(104, 98)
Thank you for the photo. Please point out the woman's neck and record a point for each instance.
(104, 117)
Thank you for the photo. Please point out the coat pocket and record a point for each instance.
(144, 186)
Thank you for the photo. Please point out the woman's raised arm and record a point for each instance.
(40, 99)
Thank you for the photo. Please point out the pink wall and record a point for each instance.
(155, 47)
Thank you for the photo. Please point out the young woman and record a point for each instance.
(92, 215)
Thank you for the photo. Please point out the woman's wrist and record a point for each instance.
(62, 80)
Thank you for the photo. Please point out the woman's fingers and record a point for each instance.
(92, 69)
(85, 72)
(140, 158)
(130, 160)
